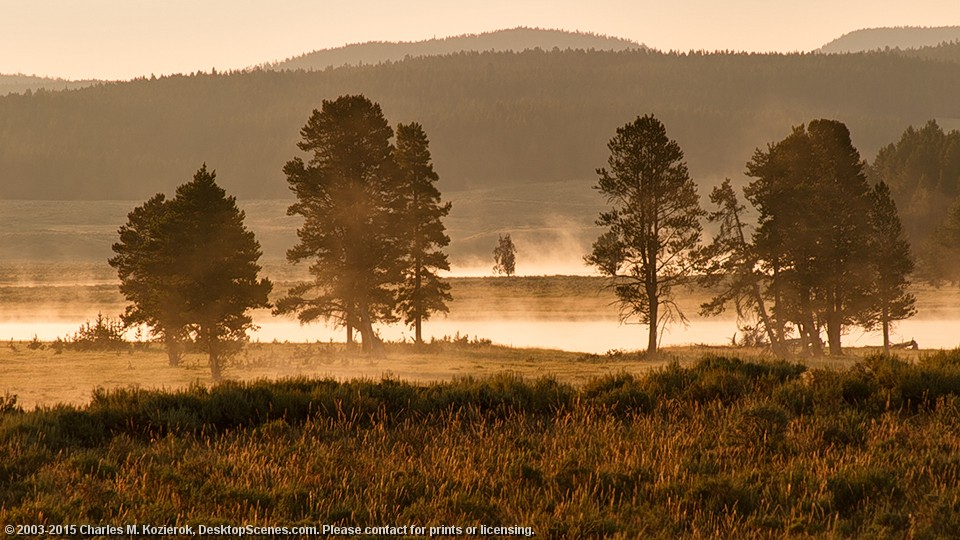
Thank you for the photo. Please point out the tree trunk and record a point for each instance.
(370, 342)
(654, 319)
(809, 332)
(834, 325)
(216, 370)
(885, 320)
(775, 343)
(778, 318)
(174, 352)
(417, 299)
(349, 335)
(833, 334)
(652, 334)
(216, 367)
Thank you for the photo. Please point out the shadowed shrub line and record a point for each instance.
(878, 383)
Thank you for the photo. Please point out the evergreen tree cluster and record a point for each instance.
(372, 226)
(829, 250)
(188, 265)
(922, 170)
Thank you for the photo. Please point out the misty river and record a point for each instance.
(589, 336)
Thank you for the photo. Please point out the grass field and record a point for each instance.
(45, 377)
(714, 448)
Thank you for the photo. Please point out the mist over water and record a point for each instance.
(55, 277)
(596, 336)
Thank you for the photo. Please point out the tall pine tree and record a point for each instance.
(347, 195)
(892, 265)
(422, 291)
(653, 225)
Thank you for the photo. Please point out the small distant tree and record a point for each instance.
(653, 226)
(189, 266)
(422, 291)
(505, 256)
(892, 265)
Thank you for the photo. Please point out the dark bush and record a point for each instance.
(849, 488)
(763, 426)
(105, 334)
(723, 495)
(619, 394)
(9, 404)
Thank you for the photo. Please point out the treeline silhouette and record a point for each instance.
(514, 39)
(497, 118)
(944, 52)
(19, 83)
(901, 37)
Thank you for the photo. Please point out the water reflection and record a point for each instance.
(592, 336)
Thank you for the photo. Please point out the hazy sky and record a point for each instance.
(127, 38)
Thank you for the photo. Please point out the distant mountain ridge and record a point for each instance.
(904, 37)
(19, 83)
(377, 52)
(514, 39)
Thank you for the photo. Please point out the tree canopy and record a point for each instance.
(189, 267)
(422, 292)
(653, 227)
(348, 195)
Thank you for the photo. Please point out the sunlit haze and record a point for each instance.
(118, 39)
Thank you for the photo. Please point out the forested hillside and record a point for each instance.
(904, 37)
(492, 118)
(10, 84)
(945, 52)
(515, 39)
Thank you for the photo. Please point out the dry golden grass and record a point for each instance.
(43, 377)
(719, 449)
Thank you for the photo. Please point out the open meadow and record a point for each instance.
(713, 448)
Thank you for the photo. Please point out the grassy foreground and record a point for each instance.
(721, 448)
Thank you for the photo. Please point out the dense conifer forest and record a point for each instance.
(495, 118)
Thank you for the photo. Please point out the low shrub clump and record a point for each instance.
(722, 448)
